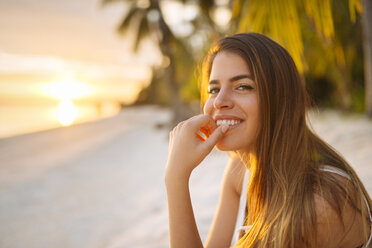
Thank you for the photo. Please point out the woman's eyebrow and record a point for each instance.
(238, 77)
(213, 82)
(233, 79)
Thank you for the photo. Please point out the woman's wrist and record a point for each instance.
(173, 178)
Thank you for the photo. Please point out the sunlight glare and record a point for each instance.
(67, 87)
(222, 16)
(66, 112)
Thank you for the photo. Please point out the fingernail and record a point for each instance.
(224, 128)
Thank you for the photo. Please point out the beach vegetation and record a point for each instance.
(324, 37)
(145, 20)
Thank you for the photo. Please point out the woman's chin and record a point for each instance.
(222, 146)
(225, 146)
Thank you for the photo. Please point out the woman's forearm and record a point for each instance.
(183, 231)
(186, 151)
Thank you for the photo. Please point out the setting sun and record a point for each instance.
(66, 112)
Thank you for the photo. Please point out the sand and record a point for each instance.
(100, 184)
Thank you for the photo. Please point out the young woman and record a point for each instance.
(285, 187)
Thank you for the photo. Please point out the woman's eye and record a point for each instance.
(244, 87)
(213, 90)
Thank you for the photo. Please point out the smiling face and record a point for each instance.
(233, 99)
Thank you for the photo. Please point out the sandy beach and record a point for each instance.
(100, 184)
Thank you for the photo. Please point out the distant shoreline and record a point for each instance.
(21, 119)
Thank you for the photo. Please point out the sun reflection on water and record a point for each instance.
(66, 89)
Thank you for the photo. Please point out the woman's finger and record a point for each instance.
(216, 136)
(201, 121)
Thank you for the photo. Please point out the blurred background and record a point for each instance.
(85, 87)
(69, 62)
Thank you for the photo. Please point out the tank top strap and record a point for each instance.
(332, 169)
(239, 225)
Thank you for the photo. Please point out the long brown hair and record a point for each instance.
(286, 168)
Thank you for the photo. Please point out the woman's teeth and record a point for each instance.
(227, 122)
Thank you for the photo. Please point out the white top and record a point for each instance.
(239, 226)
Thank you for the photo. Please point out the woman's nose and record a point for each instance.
(223, 99)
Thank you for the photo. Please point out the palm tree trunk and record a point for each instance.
(367, 46)
(343, 87)
(179, 108)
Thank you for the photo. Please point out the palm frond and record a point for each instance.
(133, 15)
(143, 31)
(277, 19)
(236, 7)
(106, 2)
(320, 12)
(354, 7)
(206, 6)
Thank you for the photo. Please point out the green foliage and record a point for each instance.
(338, 62)
(156, 92)
(320, 89)
(323, 37)
(358, 100)
(190, 91)
(277, 19)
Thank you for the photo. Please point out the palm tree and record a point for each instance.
(282, 21)
(146, 18)
(367, 43)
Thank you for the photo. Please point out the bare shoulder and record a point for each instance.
(338, 231)
(234, 174)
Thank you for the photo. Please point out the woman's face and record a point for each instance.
(232, 99)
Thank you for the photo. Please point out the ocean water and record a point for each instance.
(17, 119)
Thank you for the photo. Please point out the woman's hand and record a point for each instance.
(190, 142)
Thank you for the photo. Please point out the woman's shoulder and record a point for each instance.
(334, 230)
(339, 221)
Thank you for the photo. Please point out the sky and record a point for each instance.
(44, 40)
(62, 62)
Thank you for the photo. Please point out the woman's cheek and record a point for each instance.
(208, 107)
